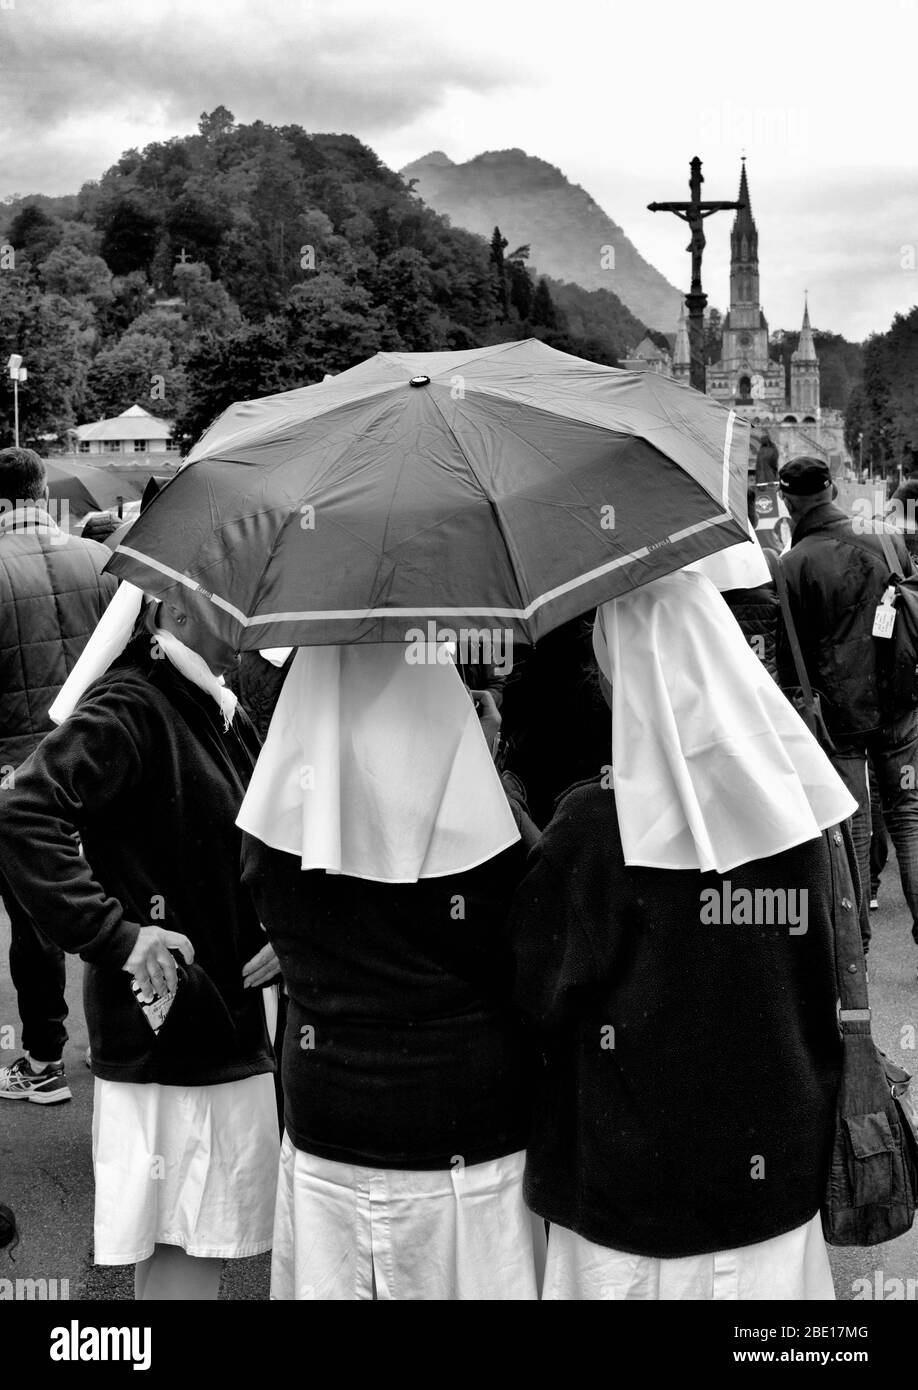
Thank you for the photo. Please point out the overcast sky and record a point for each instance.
(820, 94)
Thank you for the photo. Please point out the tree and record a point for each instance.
(196, 225)
(331, 326)
(252, 360)
(45, 330)
(543, 309)
(208, 307)
(139, 368)
(130, 233)
(217, 123)
(885, 408)
(34, 232)
(599, 318)
(499, 274)
(521, 289)
(402, 286)
(132, 295)
(77, 274)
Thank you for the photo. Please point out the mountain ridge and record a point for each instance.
(533, 201)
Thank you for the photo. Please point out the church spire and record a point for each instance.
(806, 348)
(743, 195)
(744, 254)
(744, 239)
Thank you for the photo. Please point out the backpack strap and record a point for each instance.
(886, 545)
(803, 678)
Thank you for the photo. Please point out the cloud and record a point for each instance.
(596, 87)
(82, 75)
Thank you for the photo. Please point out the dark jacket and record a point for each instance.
(258, 684)
(835, 579)
(691, 1067)
(758, 612)
(402, 1049)
(556, 724)
(52, 594)
(145, 773)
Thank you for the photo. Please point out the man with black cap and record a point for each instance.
(836, 580)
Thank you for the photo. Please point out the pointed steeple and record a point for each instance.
(804, 370)
(743, 195)
(744, 239)
(806, 348)
(744, 257)
(682, 352)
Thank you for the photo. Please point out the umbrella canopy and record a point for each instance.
(86, 489)
(508, 487)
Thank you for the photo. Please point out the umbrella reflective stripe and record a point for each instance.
(427, 611)
(451, 502)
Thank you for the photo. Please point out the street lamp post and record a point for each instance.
(18, 373)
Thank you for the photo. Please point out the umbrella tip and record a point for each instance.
(419, 381)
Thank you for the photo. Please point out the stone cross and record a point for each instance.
(694, 212)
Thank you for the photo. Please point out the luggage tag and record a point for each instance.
(885, 616)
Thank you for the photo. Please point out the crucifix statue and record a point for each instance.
(694, 212)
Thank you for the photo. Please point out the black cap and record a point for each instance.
(804, 477)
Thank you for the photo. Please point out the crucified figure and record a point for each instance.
(694, 213)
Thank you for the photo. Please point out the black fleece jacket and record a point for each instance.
(690, 1069)
(835, 579)
(146, 776)
(402, 1048)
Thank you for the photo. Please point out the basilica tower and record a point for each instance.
(744, 374)
(804, 372)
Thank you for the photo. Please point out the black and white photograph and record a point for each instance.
(458, 672)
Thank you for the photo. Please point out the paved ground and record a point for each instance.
(46, 1174)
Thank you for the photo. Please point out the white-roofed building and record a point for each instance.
(132, 435)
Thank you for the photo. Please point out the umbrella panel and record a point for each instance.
(363, 523)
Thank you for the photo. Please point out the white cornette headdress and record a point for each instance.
(109, 639)
(377, 768)
(712, 765)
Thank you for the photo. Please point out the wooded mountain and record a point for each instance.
(249, 259)
(532, 201)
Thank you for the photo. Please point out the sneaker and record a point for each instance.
(20, 1082)
(874, 905)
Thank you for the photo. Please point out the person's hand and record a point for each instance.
(261, 969)
(489, 716)
(151, 963)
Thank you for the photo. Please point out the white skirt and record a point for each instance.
(194, 1166)
(343, 1232)
(794, 1266)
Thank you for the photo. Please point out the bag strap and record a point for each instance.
(850, 967)
(889, 553)
(780, 579)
